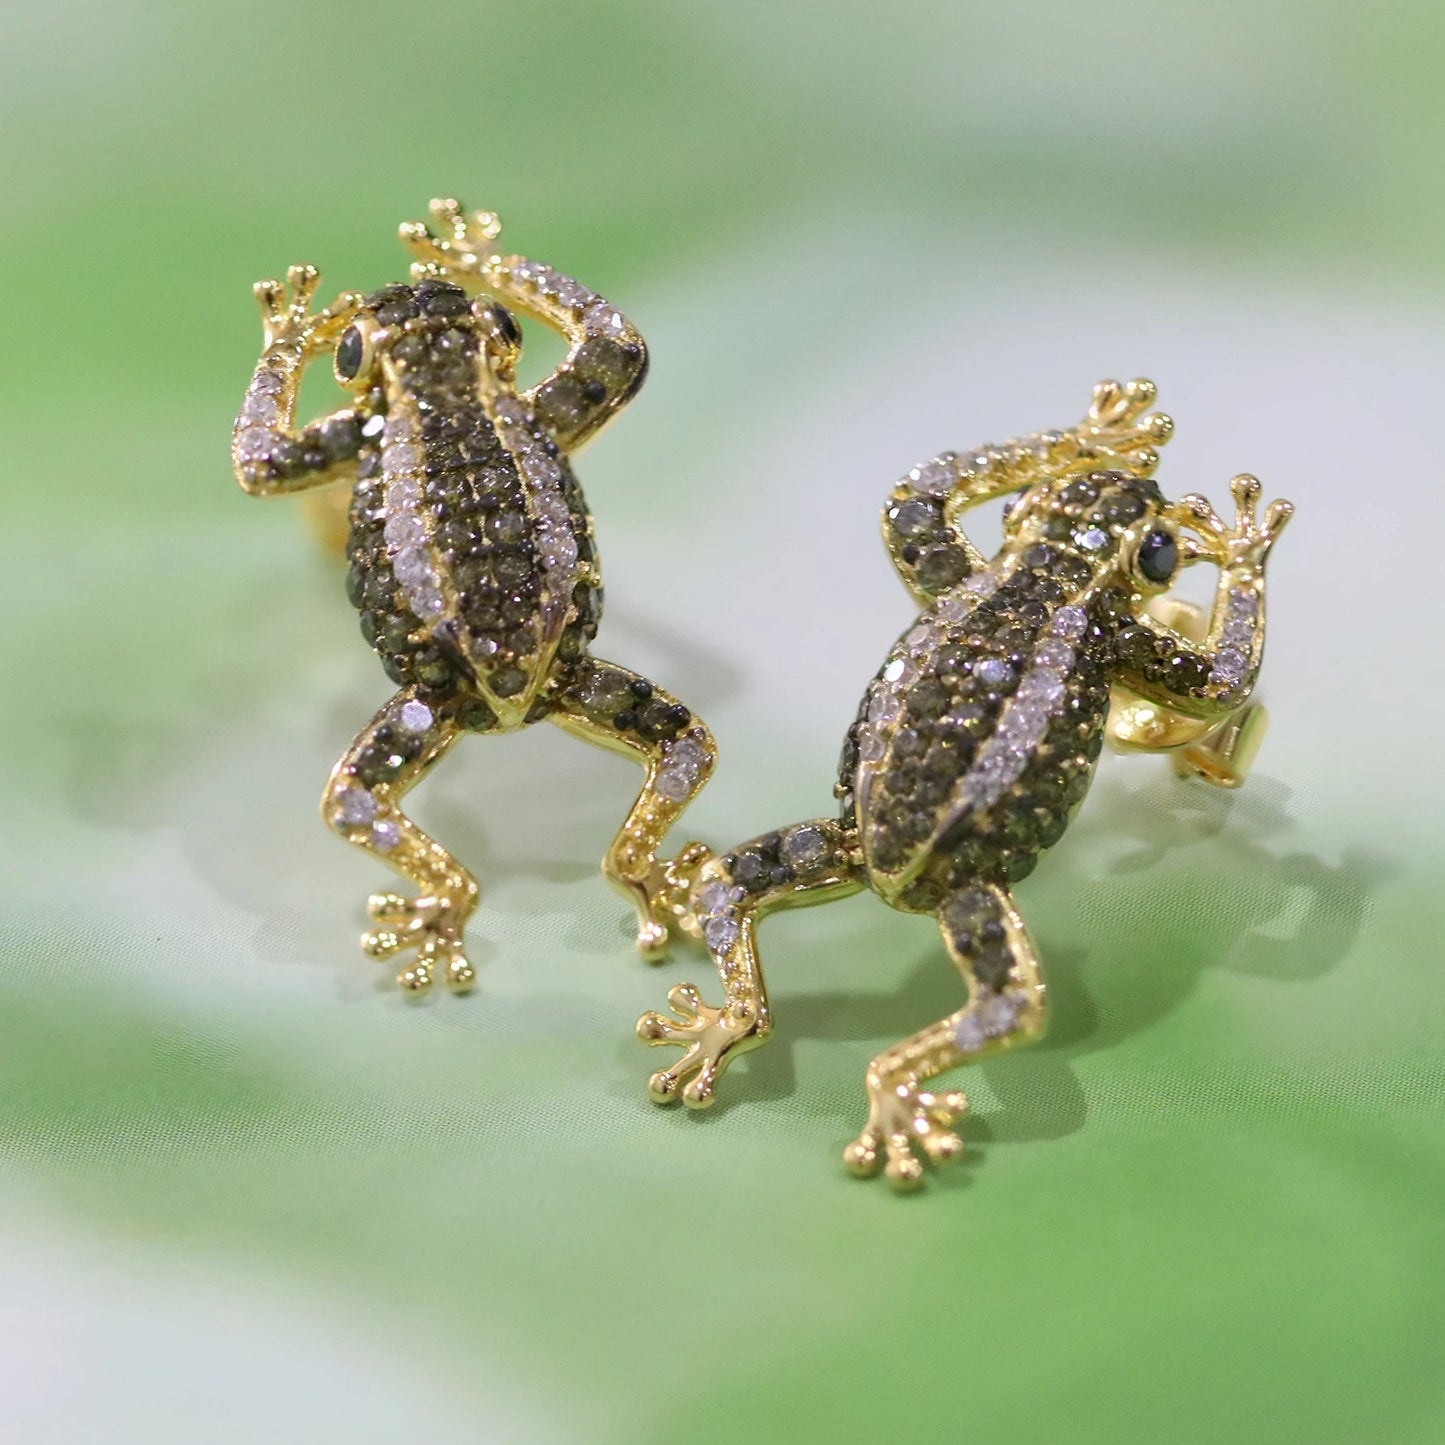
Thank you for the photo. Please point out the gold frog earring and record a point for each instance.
(471, 555)
(977, 739)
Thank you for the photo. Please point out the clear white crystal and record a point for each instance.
(884, 706)
(559, 551)
(415, 716)
(1024, 723)
(260, 407)
(550, 509)
(373, 426)
(1229, 664)
(1069, 622)
(687, 753)
(268, 382)
(996, 1015)
(607, 319)
(871, 748)
(935, 478)
(993, 672)
(674, 783)
(954, 606)
(981, 584)
(426, 601)
(385, 835)
(412, 567)
(400, 457)
(402, 494)
(720, 933)
(403, 528)
(1007, 764)
(1054, 653)
(568, 291)
(398, 427)
(1046, 687)
(968, 1034)
(543, 471)
(978, 790)
(715, 898)
(803, 847)
(921, 638)
(254, 444)
(900, 671)
(1092, 539)
(356, 807)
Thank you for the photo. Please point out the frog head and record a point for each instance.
(1108, 526)
(429, 338)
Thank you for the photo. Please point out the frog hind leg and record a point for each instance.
(989, 944)
(809, 863)
(617, 709)
(362, 802)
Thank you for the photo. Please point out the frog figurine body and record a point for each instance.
(977, 740)
(472, 561)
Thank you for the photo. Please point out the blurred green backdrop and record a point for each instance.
(250, 1193)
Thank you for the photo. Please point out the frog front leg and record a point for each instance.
(362, 802)
(922, 515)
(806, 864)
(606, 361)
(270, 455)
(1187, 695)
(617, 709)
(987, 940)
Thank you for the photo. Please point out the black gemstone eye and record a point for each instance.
(507, 326)
(1158, 556)
(349, 351)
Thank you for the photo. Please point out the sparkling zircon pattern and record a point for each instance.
(554, 533)
(404, 733)
(774, 863)
(1235, 658)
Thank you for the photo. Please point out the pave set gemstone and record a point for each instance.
(1028, 714)
(911, 656)
(543, 485)
(983, 468)
(407, 530)
(255, 437)
(598, 315)
(977, 738)
(685, 762)
(401, 735)
(773, 861)
(991, 1016)
(718, 914)
(1235, 655)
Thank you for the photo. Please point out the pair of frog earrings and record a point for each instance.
(473, 567)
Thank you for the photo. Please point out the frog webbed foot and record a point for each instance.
(709, 1037)
(287, 318)
(460, 242)
(660, 889)
(905, 1121)
(430, 925)
(1121, 429)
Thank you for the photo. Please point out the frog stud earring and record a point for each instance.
(977, 739)
(471, 552)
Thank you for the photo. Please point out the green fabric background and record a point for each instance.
(249, 1192)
